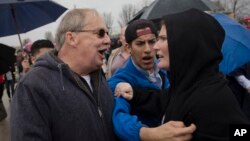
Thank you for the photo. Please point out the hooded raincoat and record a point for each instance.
(198, 91)
(52, 103)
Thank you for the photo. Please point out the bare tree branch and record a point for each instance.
(239, 8)
(109, 20)
(127, 13)
(48, 35)
(129, 10)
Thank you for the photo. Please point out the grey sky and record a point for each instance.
(113, 6)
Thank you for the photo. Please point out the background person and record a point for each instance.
(3, 113)
(39, 48)
(25, 65)
(246, 22)
(10, 80)
(118, 56)
(239, 82)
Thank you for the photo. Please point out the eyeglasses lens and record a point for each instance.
(101, 33)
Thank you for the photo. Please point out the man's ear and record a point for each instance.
(70, 38)
(33, 59)
(126, 47)
(129, 47)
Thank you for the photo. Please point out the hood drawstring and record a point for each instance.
(61, 75)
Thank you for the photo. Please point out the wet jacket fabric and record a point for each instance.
(199, 92)
(52, 103)
(129, 117)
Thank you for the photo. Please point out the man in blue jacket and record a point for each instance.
(132, 123)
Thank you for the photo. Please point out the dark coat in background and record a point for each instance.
(199, 92)
(241, 93)
(7, 58)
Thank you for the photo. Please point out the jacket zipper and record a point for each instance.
(94, 101)
(99, 107)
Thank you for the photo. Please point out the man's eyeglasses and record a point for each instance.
(100, 32)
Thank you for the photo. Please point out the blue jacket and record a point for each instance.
(127, 123)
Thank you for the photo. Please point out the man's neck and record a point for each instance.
(124, 52)
(67, 59)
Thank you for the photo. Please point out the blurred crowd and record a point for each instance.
(25, 58)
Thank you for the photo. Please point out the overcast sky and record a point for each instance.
(113, 6)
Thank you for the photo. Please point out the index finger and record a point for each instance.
(185, 130)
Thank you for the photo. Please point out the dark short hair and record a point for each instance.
(37, 45)
(131, 34)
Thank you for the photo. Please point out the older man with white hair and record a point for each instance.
(65, 96)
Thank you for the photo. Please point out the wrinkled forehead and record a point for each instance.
(94, 21)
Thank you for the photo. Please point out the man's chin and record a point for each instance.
(99, 66)
(148, 68)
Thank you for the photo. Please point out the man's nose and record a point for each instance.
(148, 47)
(107, 40)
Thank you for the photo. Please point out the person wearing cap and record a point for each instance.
(143, 121)
(39, 48)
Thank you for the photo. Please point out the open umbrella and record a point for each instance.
(20, 16)
(7, 58)
(161, 8)
(236, 46)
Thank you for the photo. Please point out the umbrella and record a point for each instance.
(138, 14)
(7, 58)
(20, 16)
(161, 8)
(236, 46)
